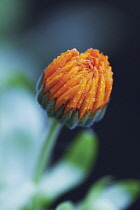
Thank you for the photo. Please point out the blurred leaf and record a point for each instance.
(22, 124)
(96, 190)
(19, 149)
(20, 79)
(16, 197)
(16, 64)
(17, 79)
(25, 196)
(65, 206)
(105, 196)
(123, 193)
(85, 146)
(72, 169)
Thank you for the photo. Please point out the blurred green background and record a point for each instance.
(32, 33)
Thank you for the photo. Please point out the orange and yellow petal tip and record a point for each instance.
(75, 88)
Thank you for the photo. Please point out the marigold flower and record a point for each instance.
(75, 88)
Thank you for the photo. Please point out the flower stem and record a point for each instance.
(47, 149)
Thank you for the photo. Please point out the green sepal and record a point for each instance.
(58, 113)
(42, 99)
(50, 108)
(91, 119)
(73, 122)
(101, 113)
(66, 117)
(45, 100)
(39, 94)
(39, 82)
(84, 119)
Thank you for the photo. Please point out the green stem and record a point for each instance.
(47, 149)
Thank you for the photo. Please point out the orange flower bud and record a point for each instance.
(76, 86)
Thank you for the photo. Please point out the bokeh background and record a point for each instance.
(32, 33)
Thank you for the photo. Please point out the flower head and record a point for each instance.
(76, 87)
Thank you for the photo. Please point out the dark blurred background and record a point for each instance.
(32, 33)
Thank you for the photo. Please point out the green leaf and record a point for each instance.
(106, 195)
(17, 79)
(65, 206)
(17, 197)
(25, 196)
(20, 142)
(22, 125)
(72, 169)
(85, 145)
(95, 191)
(123, 193)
